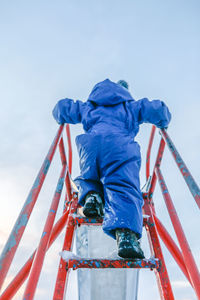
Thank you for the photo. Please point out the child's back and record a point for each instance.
(110, 158)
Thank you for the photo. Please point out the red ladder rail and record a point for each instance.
(162, 276)
(23, 273)
(184, 256)
(62, 276)
(42, 248)
(171, 246)
(191, 183)
(50, 233)
(186, 251)
(20, 225)
(72, 219)
(157, 264)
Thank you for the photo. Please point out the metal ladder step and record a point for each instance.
(152, 263)
(79, 220)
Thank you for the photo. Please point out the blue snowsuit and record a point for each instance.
(109, 157)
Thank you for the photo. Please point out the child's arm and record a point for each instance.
(155, 112)
(68, 111)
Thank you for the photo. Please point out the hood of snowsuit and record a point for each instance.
(108, 93)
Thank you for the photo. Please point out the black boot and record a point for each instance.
(93, 205)
(128, 245)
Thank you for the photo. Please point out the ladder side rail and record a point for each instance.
(63, 274)
(69, 148)
(21, 276)
(171, 246)
(22, 220)
(68, 190)
(162, 276)
(186, 251)
(23, 273)
(67, 177)
(41, 251)
(62, 152)
(69, 171)
(192, 185)
(61, 278)
(148, 155)
(157, 164)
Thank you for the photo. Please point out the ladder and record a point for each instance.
(71, 219)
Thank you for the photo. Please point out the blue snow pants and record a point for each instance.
(110, 165)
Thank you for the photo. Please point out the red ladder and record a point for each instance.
(72, 219)
(158, 264)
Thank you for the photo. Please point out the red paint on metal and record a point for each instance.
(20, 225)
(68, 186)
(69, 148)
(161, 274)
(171, 246)
(192, 185)
(157, 164)
(21, 276)
(153, 130)
(112, 263)
(63, 274)
(187, 254)
(70, 212)
(88, 221)
(41, 251)
(79, 220)
(62, 152)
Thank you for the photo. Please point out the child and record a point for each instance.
(110, 158)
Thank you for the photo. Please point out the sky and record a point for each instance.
(56, 49)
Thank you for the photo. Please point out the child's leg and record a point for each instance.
(89, 180)
(120, 178)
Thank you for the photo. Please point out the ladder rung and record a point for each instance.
(88, 221)
(79, 220)
(113, 263)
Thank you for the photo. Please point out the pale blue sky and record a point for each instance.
(55, 49)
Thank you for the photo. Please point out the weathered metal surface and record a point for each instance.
(151, 223)
(69, 148)
(62, 152)
(62, 276)
(148, 155)
(20, 225)
(86, 281)
(95, 221)
(162, 276)
(41, 251)
(157, 164)
(91, 243)
(112, 263)
(193, 187)
(171, 246)
(21, 276)
(186, 251)
(87, 221)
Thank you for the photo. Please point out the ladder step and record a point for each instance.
(113, 263)
(79, 220)
(88, 221)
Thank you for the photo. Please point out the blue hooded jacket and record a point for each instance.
(110, 107)
(109, 157)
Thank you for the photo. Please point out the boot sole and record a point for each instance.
(129, 252)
